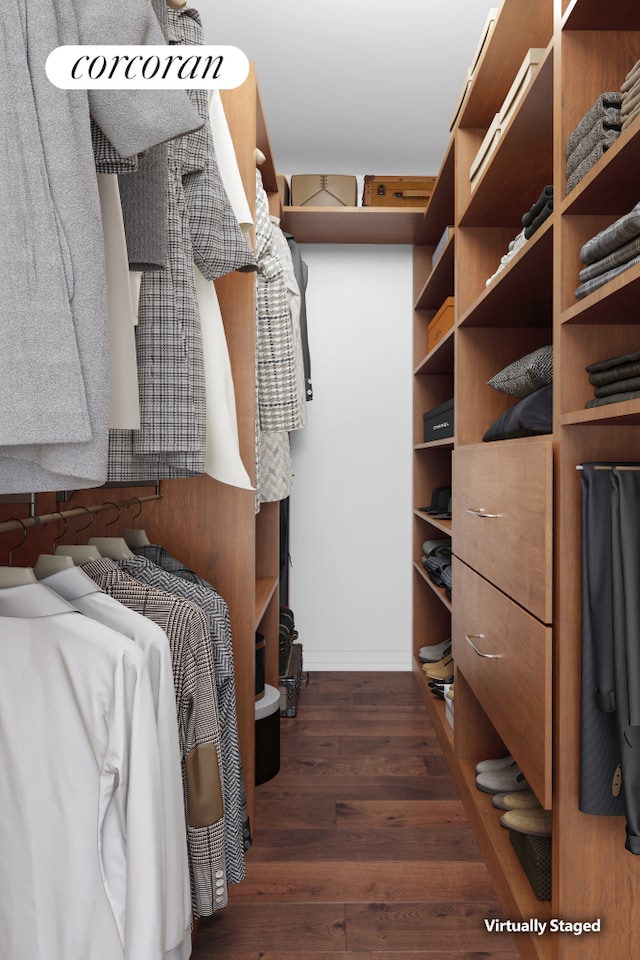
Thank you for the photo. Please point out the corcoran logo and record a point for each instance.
(146, 67)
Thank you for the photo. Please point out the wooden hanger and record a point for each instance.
(133, 536)
(11, 576)
(49, 563)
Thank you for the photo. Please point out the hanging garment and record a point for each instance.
(301, 272)
(222, 457)
(278, 407)
(81, 592)
(171, 441)
(81, 832)
(599, 750)
(152, 565)
(228, 163)
(54, 390)
(198, 726)
(625, 554)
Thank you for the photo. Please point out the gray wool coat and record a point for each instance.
(54, 371)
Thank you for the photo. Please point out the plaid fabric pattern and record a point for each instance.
(171, 441)
(615, 235)
(276, 366)
(586, 288)
(147, 568)
(193, 672)
(107, 158)
(622, 255)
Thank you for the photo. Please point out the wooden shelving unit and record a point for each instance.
(531, 302)
(353, 224)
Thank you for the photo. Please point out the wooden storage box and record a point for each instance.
(397, 191)
(323, 190)
(441, 323)
(525, 75)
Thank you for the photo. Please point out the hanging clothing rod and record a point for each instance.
(8, 525)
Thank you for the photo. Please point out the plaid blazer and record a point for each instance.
(202, 228)
(198, 726)
(157, 568)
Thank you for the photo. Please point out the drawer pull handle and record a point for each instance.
(475, 512)
(480, 636)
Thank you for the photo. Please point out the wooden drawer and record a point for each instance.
(509, 670)
(503, 518)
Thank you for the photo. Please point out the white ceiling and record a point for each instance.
(354, 86)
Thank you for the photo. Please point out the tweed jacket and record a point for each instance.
(202, 228)
(152, 566)
(54, 389)
(198, 726)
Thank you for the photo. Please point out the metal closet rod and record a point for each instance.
(15, 524)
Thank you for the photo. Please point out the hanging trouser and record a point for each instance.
(625, 556)
(599, 749)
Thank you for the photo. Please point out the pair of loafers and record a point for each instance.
(504, 776)
(435, 653)
(440, 670)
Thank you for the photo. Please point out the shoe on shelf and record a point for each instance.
(434, 653)
(533, 821)
(523, 800)
(510, 779)
(449, 693)
(484, 766)
(438, 671)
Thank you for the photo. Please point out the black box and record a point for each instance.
(267, 735)
(438, 423)
(534, 853)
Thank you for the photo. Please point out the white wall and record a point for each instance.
(350, 513)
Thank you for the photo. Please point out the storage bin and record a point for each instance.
(438, 422)
(440, 323)
(323, 190)
(267, 735)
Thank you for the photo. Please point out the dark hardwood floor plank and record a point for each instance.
(256, 926)
(368, 881)
(411, 814)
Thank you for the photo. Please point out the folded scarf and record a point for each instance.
(614, 398)
(599, 111)
(614, 375)
(586, 288)
(631, 78)
(583, 169)
(602, 133)
(623, 229)
(538, 206)
(630, 101)
(619, 256)
(537, 222)
(630, 118)
(618, 386)
(603, 366)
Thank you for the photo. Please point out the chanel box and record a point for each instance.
(438, 422)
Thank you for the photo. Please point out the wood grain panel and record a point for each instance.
(510, 484)
(514, 688)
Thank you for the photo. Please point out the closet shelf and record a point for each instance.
(614, 302)
(625, 412)
(611, 185)
(446, 443)
(440, 212)
(440, 359)
(444, 525)
(521, 294)
(265, 589)
(439, 591)
(352, 224)
(439, 284)
(594, 15)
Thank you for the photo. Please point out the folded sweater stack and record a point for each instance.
(615, 380)
(630, 90)
(611, 252)
(532, 220)
(599, 128)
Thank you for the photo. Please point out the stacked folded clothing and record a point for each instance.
(615, 379)
(611, 252)
(599, 128)
(540, 210)
(630, 90)
(532, 220)
(436, 559)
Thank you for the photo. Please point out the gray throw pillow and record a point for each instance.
(523, 376)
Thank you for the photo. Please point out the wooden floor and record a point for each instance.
(361, 846)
